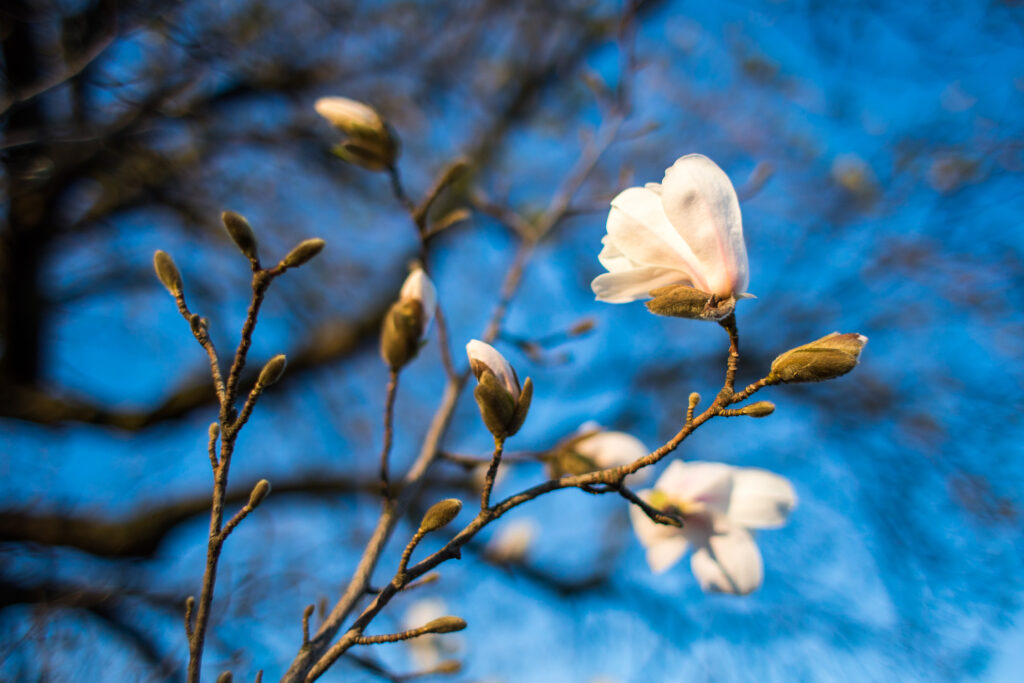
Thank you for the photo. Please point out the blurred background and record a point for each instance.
(878, 149)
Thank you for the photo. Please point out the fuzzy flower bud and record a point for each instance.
(259, 492)
(241, 234)
(759, 409)
(680, 301)
(167, 272)
(445, 625)
(369, 141)
(408, 319)
(503, 402)
(440, 515)
(273, 370)
(831, 356)
(303, 252)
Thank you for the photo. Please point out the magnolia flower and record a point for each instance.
(512, 542)
(408, 320)
(593, 448)
(685, 231)
(369, 141)
(719, 504)
(503, 402)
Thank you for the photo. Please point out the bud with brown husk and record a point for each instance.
(445, 625)
(758, 409)
(503, 403)
(241, 234)
(273, 370)
(302, 252)
(369, 141)
(680, 301)
(167, 272)
(407, 320)
(831, 356)
(440, 515)
(259, 493)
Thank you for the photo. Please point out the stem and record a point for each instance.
(389, 415)
(492, 472)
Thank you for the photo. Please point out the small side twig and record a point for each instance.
(306, 614)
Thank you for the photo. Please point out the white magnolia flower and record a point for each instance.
(719, 504)
(607, 448)
(348, 114)
(512, 542)
(685, 231)
(484, 356)
(418, 287)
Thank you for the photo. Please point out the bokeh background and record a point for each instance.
(878, 148)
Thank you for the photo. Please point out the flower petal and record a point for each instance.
(638, 227)
(700, 202)
(760, 499)
(663, 554)
(611, 449)
(419, 287)
(730, 563)
(630, 285)
(613, 259)
(480, 352)
(698, 482)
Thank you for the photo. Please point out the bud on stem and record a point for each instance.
(440, 515)
(831, 356)
(241, 234)
(167, 272)
(272, 371)
(303, 252)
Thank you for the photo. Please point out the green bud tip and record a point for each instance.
(167, 272)
(241, 234)
(445, 625)
(273, 370)
(440, 515)
(303, 251)
(259, 492)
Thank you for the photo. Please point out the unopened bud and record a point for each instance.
(680, 301)
(445, 625)
(225, 677)
(303, 251)
(273, 370)
(195, 322)
(694, 399)
(259, 492)
(440, 515)
(503, 403)
(448, 666)
(167, 272)
(759, 409)
(831, 356)
(369, 141)
(214, 430)
(401, 333)
(241, 234)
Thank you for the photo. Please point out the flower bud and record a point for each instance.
(680, 301)
(503, 403)
(273, 370)
(400, 334)
(225, 677)
(369, 141)
(302, 252)
(214, 430)
(259, 492)
(831, 356)
(241, 234)
(448, 666)
(440, 515)
(759, 409)
(445, 625)
(167, 272)
(419, 287)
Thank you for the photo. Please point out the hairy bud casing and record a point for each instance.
(831, 356)
(167, 272)
(680, 301)
(445, 625)
(273, 370)
(440, 515)
(303, 252)
(241, 234)
(259, 492)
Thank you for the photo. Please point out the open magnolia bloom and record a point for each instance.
(593, 448)
(685, 231)
(719, 504)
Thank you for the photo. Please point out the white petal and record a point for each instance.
(649, 532)
(731, 563)
(639, 229)
(420, 288)
(698, 482)
(611, 449)
(666, 553)
(630, 285)
(342, 112)
(613, 259)
(760, 499)
(480, 352)
(702, 206)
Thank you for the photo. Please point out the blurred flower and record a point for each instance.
(369, 141)
(512, 542)
(718, 504)
(427, 651)
(685, 231)
(503, 402)
(593, 448)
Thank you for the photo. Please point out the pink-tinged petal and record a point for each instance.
(484, 354)
(639, 229)
(630, 285)
(648, 532)
(611, 449)
(760, 499)
(709, 483)
(729, 563)
(700, 202)
(612, 259)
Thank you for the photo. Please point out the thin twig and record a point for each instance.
(492, 473)
(389, 416)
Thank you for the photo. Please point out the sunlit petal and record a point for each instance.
(760, 499)
(730, 563)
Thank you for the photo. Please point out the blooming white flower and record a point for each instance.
(719, 504)
(484, 356)
(593, 448)
(685, 231)
(512, 542)
(418, 287)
